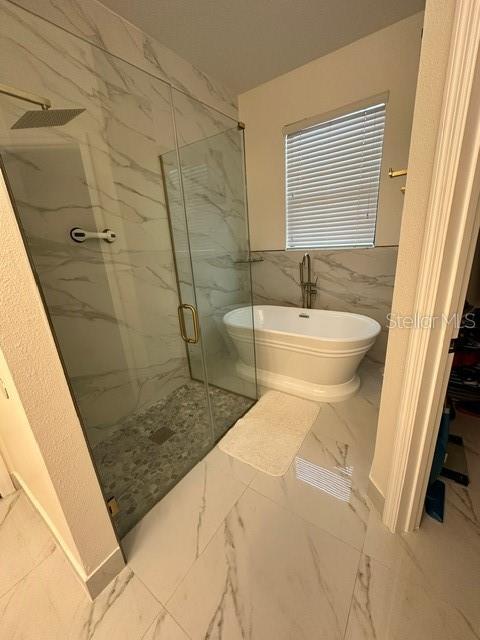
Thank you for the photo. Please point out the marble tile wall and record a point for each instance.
(113, 306)
(355, 280)
(91, 20)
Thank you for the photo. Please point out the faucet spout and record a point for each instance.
(309, 288)
(309, 266)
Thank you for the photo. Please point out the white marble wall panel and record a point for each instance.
(355, 280)
(95, 23)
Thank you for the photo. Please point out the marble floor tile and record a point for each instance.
(445, 557)
(326, 485)
(267, 575)
(387, 606)
(166, 542)
(371, 379)
(164, 627)
(237, 468)
(353, 421)
(231, 553)
(51, 604)
(25, 540)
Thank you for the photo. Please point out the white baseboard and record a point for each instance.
(376, 496)
(105, 573)
(6, 484)
(101, 576)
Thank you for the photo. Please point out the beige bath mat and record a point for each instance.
(271, 433)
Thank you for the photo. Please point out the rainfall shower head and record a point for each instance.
(47, 117)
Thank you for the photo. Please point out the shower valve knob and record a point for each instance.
(80, 235)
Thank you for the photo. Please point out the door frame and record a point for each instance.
(451, 230)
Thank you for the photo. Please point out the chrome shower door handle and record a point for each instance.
(181, 321)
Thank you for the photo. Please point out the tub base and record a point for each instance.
(300, 388)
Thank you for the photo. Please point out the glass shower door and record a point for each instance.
(209, 193)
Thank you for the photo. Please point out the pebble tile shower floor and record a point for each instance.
(138, 468)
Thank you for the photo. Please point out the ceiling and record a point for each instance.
(243, 43)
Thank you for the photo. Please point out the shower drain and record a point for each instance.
(161, 435)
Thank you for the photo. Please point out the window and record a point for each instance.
(332, 179)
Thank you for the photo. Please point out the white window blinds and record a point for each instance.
(332, 180)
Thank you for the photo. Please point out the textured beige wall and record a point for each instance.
(40, 430)
(431, 78)
(22, 454)
(386, 61)
(6, 485)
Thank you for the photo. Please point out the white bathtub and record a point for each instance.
(309, 353)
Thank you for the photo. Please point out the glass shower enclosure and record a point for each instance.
(134, 217)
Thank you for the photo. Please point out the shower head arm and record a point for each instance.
(24, 95)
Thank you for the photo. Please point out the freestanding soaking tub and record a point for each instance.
(311, 353)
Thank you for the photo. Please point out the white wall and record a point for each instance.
(385, 61)
(431, 78)
(25, 461)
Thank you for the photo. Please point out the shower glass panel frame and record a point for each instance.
(209, 194)
(114, 306)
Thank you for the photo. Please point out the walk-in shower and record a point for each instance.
(134, 218)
